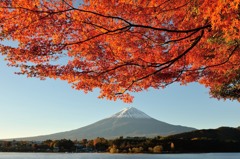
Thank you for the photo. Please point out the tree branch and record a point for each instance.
(168, 63)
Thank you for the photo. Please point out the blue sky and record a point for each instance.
(30, 107)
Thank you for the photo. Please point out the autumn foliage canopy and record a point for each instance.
(124, 46)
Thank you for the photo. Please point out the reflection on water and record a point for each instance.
(117, 156)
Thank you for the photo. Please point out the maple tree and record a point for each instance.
(124, 46)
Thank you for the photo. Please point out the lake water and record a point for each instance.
(117, 156)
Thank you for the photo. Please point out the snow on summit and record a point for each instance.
(130, 112)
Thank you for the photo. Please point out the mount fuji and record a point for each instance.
(130, 122)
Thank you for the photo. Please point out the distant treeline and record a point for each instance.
(223, 139)
(123, 145)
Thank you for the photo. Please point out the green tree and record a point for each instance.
(100, 144)
(65, 145)
(230, 89)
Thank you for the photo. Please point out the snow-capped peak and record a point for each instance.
(130, 112)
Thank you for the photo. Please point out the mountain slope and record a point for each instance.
(129, 122)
